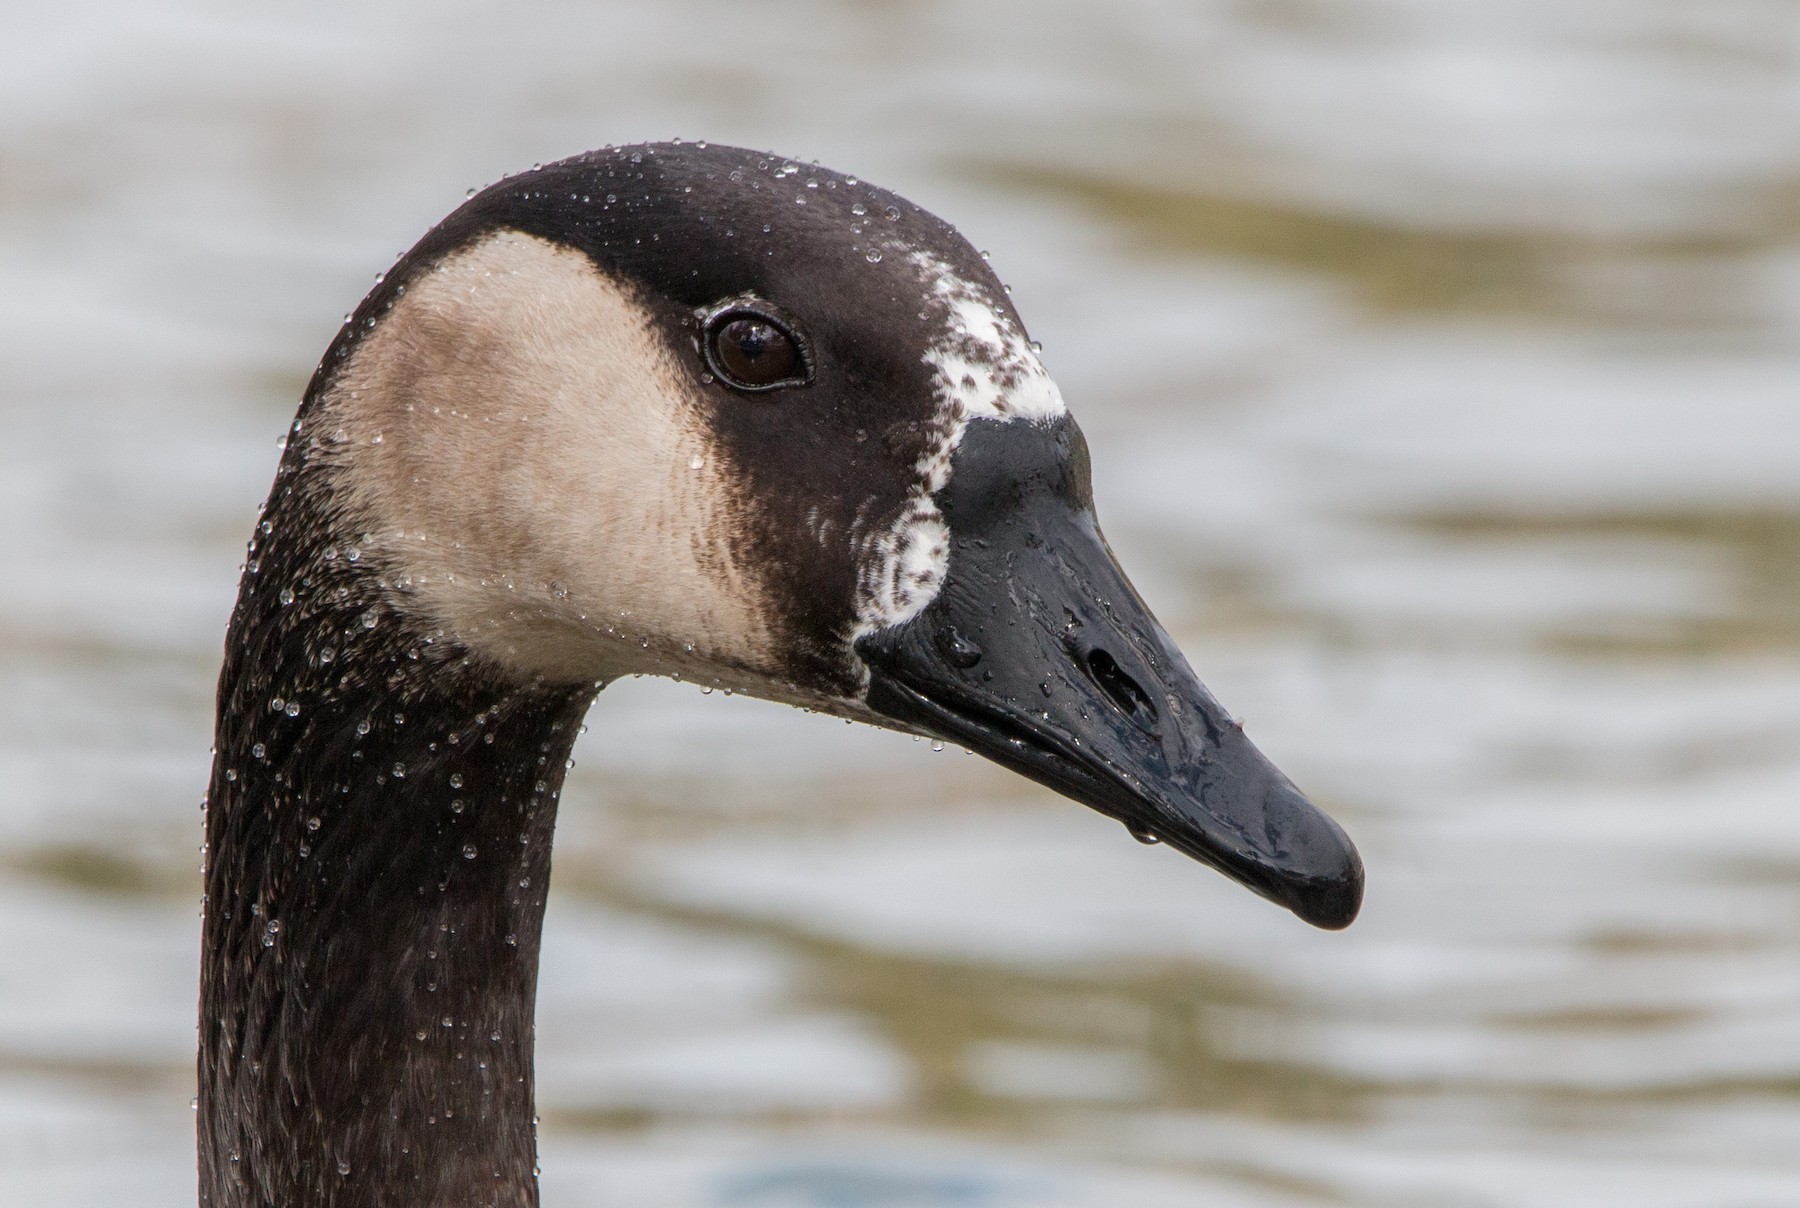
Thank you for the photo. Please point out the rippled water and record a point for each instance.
(1441, 363)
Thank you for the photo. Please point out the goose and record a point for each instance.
(668, 409)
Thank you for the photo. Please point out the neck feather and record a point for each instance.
(378, 852)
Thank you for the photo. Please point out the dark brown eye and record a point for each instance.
(753, 351)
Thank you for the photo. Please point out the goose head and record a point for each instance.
(695, 411)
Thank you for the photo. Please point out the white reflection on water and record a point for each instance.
(1439, 363)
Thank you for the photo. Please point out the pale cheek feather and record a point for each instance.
(519, 449)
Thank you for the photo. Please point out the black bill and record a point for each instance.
(1039, 654)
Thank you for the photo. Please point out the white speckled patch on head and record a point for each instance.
(902, 567)
(983, 362)
(983, 367)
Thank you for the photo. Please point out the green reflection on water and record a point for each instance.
(1762, 547)
(938, 1011)
(96, 869)
(1757, 612)
(1394, 267)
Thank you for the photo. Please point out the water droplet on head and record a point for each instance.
(469, 852)
(873, 255)
(893, 213)
(456, 780)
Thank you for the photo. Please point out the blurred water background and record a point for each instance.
(1441, 364)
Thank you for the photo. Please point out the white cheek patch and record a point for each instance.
(902, 567)
(983, 367)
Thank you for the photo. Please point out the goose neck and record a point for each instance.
(378, 853)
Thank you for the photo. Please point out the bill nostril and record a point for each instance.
(1121, 689)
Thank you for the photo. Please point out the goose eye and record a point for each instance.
(754, 351)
